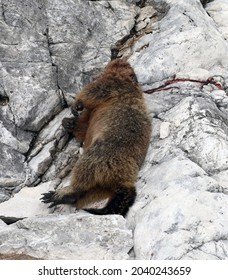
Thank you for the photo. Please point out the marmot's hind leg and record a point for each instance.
(120, 203)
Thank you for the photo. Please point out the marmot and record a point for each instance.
(114, 127)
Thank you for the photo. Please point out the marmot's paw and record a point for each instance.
(54, 198)
(49, 198)
(77, 108)
(69, 123)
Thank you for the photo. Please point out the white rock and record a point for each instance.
(146, 12)
(7, 138)
(218, 10)
(195, 74)
(177, 212)
(185, 40)
(164, 130)
(74, 236)
(40, 163)
(26, 203)
(2, 224)
(222, 178)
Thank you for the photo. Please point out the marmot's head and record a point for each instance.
(120, 67)
(116, 80)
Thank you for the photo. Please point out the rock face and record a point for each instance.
(69, 237)
(178, 48)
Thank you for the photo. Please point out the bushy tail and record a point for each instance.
(120, 203)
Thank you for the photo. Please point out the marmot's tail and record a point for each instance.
(120, 203)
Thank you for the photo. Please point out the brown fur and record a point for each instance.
(115, 129)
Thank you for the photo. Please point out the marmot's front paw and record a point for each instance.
(69, 123)
(77, 108)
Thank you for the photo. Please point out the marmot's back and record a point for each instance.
(125, 129)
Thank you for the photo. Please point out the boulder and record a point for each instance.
(68, 237)
(26, 203)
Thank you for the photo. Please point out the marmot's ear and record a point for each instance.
(134, 78)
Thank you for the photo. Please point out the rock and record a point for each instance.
(222, 179)
(164, 130)
(178, 211)
(16, 257)
(52, 152)
(181, 210)
(218, 11)
(144, 17)
(26, 203)
(68, 237)
(17, 139)
(4, 195)
(49, 50)
(29, 111)
(11, 174)
(63, 162)
(2, 224)
(184, 208)
(28, 77)
(37, 78)
(82, 36)
(42, 161)
(197, 133)
(168, 49)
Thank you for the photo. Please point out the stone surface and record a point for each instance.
(218, 10)
(80, 236)
(178, 48)
(26, 203)
(82, 36)
(175, 213)
(11, 174)
(185, 40)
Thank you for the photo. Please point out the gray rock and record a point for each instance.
(52, 152)
(181, 210)
(26, 203)
(80, 236)
(4, 195)
(2, 224)
(29, 78)
(82, 36)
(11, 174)
(184, 41)
(49, 50)
(174, 212)
(218, 11)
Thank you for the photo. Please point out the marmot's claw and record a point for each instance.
(53, 198)
(47, 197)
